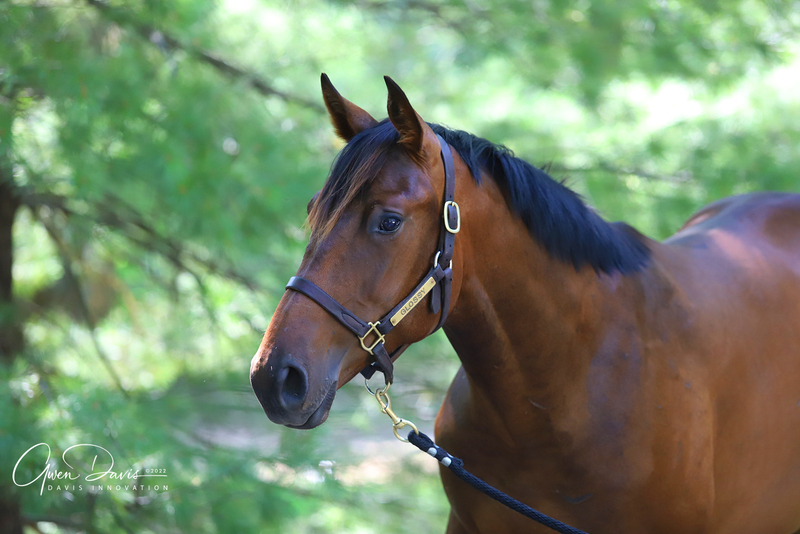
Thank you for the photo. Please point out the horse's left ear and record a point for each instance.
(412, 128)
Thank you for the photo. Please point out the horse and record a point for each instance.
(617, 383)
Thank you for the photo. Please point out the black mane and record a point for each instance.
(556, 216)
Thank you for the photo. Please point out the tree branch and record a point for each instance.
(66, 261)
(164, 40)
(428, 8)
(117, 214)
(680, 177)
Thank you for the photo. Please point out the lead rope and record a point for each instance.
(456, 465)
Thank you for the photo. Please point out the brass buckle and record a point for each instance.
(447, 219)
(373, 327)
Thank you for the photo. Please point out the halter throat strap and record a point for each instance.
(437, 282)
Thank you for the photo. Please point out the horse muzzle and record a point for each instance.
(281, 385)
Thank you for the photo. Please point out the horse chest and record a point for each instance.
(594, 471)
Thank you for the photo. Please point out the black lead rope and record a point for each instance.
(456, 465)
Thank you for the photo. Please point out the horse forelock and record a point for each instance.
(353, 170)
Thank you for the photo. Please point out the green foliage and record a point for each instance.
(164, 152)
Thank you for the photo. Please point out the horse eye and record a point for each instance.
(390, 224)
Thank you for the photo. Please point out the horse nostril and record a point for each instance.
(294, 387)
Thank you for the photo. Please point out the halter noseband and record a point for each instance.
(437, 281)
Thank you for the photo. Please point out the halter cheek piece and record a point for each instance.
(437, 281)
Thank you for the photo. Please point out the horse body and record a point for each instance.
(618, 384)
(662, 401)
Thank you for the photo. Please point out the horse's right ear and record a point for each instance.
(348, 119)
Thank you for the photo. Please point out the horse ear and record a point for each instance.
(405, 119)
(348, 119)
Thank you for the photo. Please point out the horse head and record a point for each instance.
(376, 230)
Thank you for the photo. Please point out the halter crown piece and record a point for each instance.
(437, 281)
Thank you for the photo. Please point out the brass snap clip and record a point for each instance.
(398, 423)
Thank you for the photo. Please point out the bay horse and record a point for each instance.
(619, 384)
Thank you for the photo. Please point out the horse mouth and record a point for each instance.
(320, 415)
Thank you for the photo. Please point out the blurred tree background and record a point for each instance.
(156, 158)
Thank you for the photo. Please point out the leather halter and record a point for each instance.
(437, 281)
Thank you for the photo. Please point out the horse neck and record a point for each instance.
(525, 325)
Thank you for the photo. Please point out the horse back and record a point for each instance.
(767, 218)
(736, 264)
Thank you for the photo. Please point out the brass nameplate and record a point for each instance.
(413, 301)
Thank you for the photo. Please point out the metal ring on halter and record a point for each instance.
(382, 390)
(452, 204)
(436, 259)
